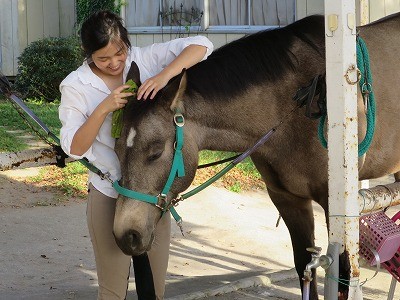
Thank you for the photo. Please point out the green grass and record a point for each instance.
(246, 166)
(71, 180)
(9, 143)
(11, 120)
(243, 176)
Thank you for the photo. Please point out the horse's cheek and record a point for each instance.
(191, 160)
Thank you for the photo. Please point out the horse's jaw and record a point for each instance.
(134, 225)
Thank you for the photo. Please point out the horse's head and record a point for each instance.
(146, 150)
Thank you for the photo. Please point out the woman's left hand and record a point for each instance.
(151, 86)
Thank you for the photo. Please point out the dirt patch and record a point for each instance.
(19, 190)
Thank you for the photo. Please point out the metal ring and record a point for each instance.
(179, 119)
(347, 75)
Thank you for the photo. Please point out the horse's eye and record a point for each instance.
(154, 156)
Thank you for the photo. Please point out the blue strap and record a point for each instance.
(177, 168)
(143, 197)
(176, 216)
(133, 194)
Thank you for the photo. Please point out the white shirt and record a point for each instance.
(82, 91)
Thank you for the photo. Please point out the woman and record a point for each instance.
(89, 95)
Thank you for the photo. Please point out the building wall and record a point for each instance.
(377, 10)
(25, 21)
(381, 8)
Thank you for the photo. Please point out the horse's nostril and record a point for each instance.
(132, 238)
(130, 242)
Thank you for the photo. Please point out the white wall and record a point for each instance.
(25, 21)
(377, 8)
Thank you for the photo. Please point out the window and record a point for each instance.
(210, 15)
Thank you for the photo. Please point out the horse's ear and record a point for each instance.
(134, 74)
(180, 86)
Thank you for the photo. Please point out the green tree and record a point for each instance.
(44, 64)
(85, 8)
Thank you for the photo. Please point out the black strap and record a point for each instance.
(143, 277)
(60, 156)
(306, 95)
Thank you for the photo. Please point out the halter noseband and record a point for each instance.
(177, 170)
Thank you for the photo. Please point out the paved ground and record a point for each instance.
(230, 245)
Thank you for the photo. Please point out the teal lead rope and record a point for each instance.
(369, 99)
(368, 94)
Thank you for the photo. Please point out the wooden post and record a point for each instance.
(340, 29)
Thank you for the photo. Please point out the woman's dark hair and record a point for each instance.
(101, 28)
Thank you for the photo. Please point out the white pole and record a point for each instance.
(342, 132)
(364, 19)
(364, 12)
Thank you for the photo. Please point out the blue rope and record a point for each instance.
(368, 95)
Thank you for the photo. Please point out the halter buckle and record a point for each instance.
(161, 201)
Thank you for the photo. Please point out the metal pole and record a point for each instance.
(331, 286)
(340, 29)
(379, 197)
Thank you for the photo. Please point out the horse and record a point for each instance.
(233, 98)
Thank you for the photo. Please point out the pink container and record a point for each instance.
(393, 264)
(378, 232)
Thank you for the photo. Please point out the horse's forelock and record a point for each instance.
(138, 108)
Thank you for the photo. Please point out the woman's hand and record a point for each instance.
(189, 56)
(151, 86)
(87, 133)
(116, 100)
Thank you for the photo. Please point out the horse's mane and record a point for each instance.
(262, 56)
(255, 58)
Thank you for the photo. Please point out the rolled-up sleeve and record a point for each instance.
(72, 115)
(162, 54)
(176, 46)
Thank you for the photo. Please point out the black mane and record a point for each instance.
(258, 57)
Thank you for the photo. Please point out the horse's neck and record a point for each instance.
(230, 125)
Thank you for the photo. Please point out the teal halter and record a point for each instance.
(177, 170)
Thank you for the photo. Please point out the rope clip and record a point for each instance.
(106, 176)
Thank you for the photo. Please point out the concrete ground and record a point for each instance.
(232, 249)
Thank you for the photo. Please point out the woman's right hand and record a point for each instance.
(86, 134)
(116, 100)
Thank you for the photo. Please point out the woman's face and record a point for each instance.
(110, 60)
